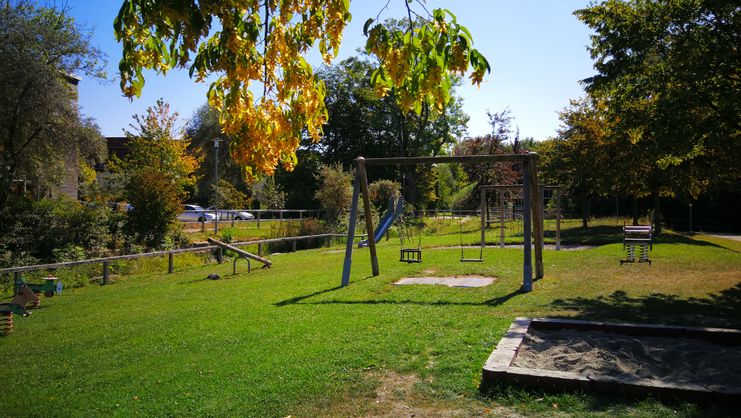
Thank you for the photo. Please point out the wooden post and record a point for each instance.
(368, 215)
(219, 253)
(258, 220)
(351, 231)
(231, 214)
(203, 223)
(527, 268)
(537, 210)
(105, 272)
(170, 263)
(259, 249)
(501, 219)
(558, 219)
(293, 244)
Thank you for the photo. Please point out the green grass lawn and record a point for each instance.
(241, 231)
(288, 341)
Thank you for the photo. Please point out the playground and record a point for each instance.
(289, 340)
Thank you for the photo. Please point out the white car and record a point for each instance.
(195, 213)
(239, 215)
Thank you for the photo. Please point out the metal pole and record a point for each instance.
(537, 214)
(105, 272)
(483, 218)
(170, 263)
(558, 220)
(351, 231)
(216, 185)
(527, 268)
(501, 219)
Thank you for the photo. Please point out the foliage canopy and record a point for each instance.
(40, 129)
(253, 43)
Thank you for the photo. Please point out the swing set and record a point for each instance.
(532, 213)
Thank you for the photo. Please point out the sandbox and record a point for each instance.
(699, 364)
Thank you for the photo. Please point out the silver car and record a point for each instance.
(195, 213)
(239, 215)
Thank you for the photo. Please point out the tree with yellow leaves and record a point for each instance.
(264, 43)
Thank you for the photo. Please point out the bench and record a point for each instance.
(640, 236)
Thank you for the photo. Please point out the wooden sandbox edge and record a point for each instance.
(498, 367)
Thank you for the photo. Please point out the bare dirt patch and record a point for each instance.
(396, 395)
(452, 281)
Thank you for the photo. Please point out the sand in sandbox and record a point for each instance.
(671, 360)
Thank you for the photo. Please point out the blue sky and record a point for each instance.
(537, 50)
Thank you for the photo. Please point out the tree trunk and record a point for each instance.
(410, 185)
(586, 201)
(6, 183)
(656, 214)
(635, 210)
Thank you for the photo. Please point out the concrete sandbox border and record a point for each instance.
(498, 367)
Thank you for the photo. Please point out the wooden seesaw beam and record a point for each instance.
(241, 252)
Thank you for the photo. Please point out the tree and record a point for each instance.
(227, 196)
(202, 129)
(361, 123)
(153, 143)
(580, 158)
(40, 129)
(265, 43)
(670, 72)
(156, 204)
(501, 140)
(157, 170)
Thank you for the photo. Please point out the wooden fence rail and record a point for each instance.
(105, 261)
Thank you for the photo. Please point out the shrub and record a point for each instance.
(68, 253)
(381, 191)
(335, 192)
(312, 226)
(39, 228)
(156, 204)
(269, 194)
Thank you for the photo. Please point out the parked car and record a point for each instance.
(195, 213)
(118, 206)
(239, 215)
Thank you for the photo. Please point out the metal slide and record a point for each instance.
(388, 219)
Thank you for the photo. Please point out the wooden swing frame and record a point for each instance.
(532, 215)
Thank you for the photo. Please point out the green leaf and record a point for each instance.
(468, 34)
(366, 26)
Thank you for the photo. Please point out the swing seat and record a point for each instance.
(410, 255)
(411, 246)
(472, 260)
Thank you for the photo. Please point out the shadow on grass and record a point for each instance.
(490, 302)
(549, 401)
(296, 299)
(721, 309)
(605, 234)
